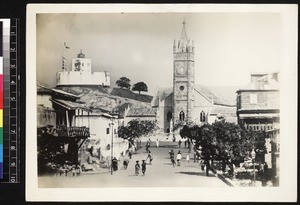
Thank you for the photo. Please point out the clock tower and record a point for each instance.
(183, 78)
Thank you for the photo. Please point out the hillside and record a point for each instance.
(106, 99)
(118, 92)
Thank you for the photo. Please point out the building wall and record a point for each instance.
(45, 116)
(164, 107)
(100, 130)
(44, 99)
(83, 78)
(45, 113)
(82, 64)
(258, 100)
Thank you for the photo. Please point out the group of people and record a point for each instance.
(149, 142)
(137, 167)
(178, 157)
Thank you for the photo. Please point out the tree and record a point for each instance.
(123, 82)
(140, 86)
(225, 141)
(136, 129)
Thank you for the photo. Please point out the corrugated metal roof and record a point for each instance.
(57, 91)
(69, 104)
(263, 115)
(141, 111)
(64, 93)
(224, 111)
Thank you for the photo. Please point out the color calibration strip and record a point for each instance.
(10, 113)
(1, 100)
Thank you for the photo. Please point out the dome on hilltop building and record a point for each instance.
(80, 55)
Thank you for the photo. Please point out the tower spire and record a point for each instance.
(183, 33)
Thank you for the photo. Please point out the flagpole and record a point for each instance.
(64, 66)
(63, 57)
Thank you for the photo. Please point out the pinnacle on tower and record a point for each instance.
(183, 42)
(183, 37)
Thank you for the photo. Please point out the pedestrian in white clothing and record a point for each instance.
(178, 158)
(188, 157)
(157, 143)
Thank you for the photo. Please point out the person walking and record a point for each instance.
(171, 152)
(178, 158)
(115, 164)
(147, 146)
(207, 167)
(189, 146)
(179, 143)
(150, 157)
(157, 143)
(144, 167)
(195, 156)
(173, 161)
(137, 168)
(188, 157)
(130, 154)
(125, 163)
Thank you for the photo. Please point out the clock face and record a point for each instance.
(181, 70)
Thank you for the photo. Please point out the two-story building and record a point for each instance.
(258, 108)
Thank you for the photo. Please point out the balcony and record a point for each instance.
(73, 132)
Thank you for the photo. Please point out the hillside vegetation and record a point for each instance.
(108, 98)
(119, 92)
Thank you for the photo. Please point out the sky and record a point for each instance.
(228, 46)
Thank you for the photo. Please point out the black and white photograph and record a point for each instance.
(160, 98)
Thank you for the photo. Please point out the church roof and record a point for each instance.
(221, 95)
(141, 111)
(161, 94)
(225, 95)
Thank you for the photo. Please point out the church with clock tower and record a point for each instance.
(183, 78)
(185, 101)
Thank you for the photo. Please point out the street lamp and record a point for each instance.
(112, 145)
(253, 154)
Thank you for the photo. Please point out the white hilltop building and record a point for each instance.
(81, 74)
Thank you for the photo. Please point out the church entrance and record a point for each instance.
(181, 116)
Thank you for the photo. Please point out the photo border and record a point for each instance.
(287, 190)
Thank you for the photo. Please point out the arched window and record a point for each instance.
(169, 116)
(202, 116)
(181, 116)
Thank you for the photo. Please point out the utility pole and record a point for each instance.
(112, 146)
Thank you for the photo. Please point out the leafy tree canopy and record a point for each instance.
(140, 86)
(135, 129)
(225, 141)
(123, 82)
